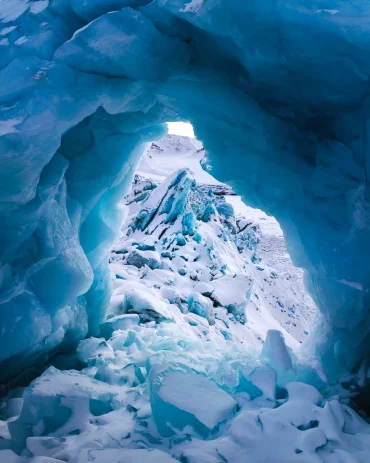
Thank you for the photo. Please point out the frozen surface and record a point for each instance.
(279, 94)
(196, 360)
(178, 150)
(185, 398)
(84, 87)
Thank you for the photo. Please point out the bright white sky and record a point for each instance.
(181, 128)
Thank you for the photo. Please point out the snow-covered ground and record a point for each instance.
(180, 150)
(198, 359)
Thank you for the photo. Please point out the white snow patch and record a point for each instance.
(198, 396)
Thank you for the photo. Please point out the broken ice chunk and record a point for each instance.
(147, 244)
(139, 259)
(61, 402)
(225, 209)
(189, 223)
(180, 240)
(262, 381)
(182, 397)
(297, 391)
(121, 322)
(119, 271)
(204, 288)
(148, 307)
(90, 349)
(233, 293)
(201, 306)
(130, 375)
(275, 352)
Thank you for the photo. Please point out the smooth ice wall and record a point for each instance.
(278, 93)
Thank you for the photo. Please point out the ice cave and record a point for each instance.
(137, 319)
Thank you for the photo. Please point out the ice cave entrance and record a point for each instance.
(247, 246)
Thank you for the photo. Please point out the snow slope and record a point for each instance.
(179, 151)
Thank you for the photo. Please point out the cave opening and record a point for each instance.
(284, 122)
(80, 187)
(180, 149)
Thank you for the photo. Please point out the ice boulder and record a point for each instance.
(234, 293)
(148, 307)
(130, 375)
(276, 353)
(297, 391)
(261, 381)
(189, 223)
(120, 322)
(204, 288)
(181, 398)
(225, 209)
(166, 203)
(91, 349)
(201, 306)
(140, 258)
(62, 402)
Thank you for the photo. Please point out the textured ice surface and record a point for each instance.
(164, 384)
(87, 82)
(84, 85)
(181, 398)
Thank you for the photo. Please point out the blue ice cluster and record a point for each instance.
(277, 91)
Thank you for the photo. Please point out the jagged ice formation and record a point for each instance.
(277, 91)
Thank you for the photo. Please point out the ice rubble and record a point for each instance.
(164, 381)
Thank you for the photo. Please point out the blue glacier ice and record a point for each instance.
(201, 367)
(277, 91)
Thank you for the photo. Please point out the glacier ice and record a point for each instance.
(201, 306)
(169, 382)
(275, 351)
(85, 85)
(282, 118)
(180, 397)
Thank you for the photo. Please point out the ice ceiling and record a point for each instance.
(278, 91)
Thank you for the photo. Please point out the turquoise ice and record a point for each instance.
(277, 91)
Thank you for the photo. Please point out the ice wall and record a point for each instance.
(277, 91)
